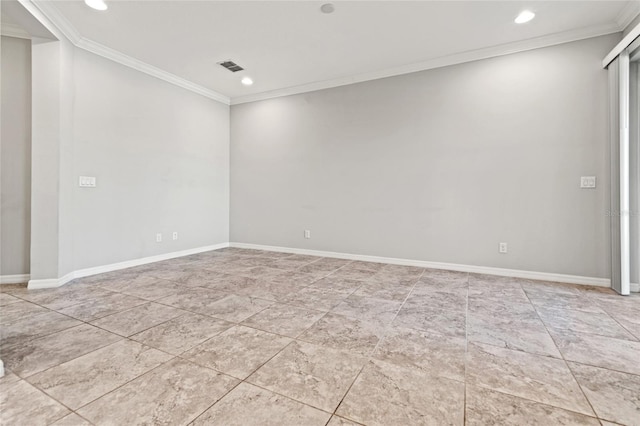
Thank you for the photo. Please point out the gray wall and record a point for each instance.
(15, 155)
(161, 158)
(439, 165)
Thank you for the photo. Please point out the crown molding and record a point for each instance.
(11, 30)
(54, 16)
(61, 25)
(458, 58)
(628, 14)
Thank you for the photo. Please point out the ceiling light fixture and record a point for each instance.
(246, 81)
(327, 8)
(96, 4)
(525, 16)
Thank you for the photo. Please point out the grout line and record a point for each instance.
(561, 354)
(372, 352)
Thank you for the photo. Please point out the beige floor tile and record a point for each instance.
(311, 374)
(7, 299)
(486, 407)
(182, 333)
(236, 308)
(386, 394)
(384, 291)
(338, 285)
(315, 298)
(340, 421)
(429, 353)
(422, 316)
(135, 320)
(537, 378)
(72, 420)
(421, 335)
(196, 299)
(340, 332)
(293, 262)
(614, 396)
(102, 306)
(77, 382)
(599, 351)
(518, 332)
(63, 297)
(323, 267)
(19, 311)
(286, 320)
(238, 351)
(35, 325)
(455, 300)
(23, 404)
(583, 322)
(353, 274)
(174, 393)
(268, 290)
(39, 354)
(299, 279)
(544, 298)
(232, 284)
(247, 405)
(370, 309)
(153, 290)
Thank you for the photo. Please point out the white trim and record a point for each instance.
(458, 58)
(14, 279)
(64, 26)
(11, 30)
(57, 282)
(628, 14)
(624, 43)
(543, 276)
(635, 287)
(53, 16)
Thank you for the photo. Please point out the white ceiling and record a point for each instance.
(285, 44)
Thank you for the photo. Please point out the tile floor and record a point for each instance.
(243, 337)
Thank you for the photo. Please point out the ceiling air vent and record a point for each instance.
(231, 66)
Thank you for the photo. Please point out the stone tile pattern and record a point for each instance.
(238, 336)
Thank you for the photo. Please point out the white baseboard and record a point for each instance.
(57, 282)
(635, 288)
(542, 276)
(14, 279)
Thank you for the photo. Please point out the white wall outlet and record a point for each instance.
(87, 181)
(587, 182)
(175, 235)
(158, 238)
(307, 234)
(502, 248)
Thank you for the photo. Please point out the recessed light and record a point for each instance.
(96, 4)
(525, 16)
(246, 81)
(327, 8)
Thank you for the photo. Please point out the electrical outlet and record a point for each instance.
(307, 234)
(175, 235)
(158, 238)
(503, 248)
(587, 182)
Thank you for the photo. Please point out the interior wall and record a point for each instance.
(15, 156)
(440, 165)
(161, 158)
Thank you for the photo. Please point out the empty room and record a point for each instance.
(308, 213)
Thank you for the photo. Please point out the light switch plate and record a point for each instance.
(87, 181)
(588, 182)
